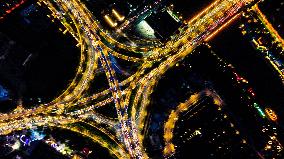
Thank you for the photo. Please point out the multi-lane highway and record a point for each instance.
(88, 32)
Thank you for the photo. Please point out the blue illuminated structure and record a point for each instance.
(3, 93)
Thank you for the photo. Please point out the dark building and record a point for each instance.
(163, 24)
(44, 151)
(217, 136)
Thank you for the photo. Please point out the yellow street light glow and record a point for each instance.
(222, 27)
(117, 15)
(81, 25)
(109, 21)
(268, 25)
(271, 114)
(203, 11)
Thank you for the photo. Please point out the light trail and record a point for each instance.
(222, 27)
(87, 29)
(183, 107)
(117, 151)
(268, 25)
(272, 57)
